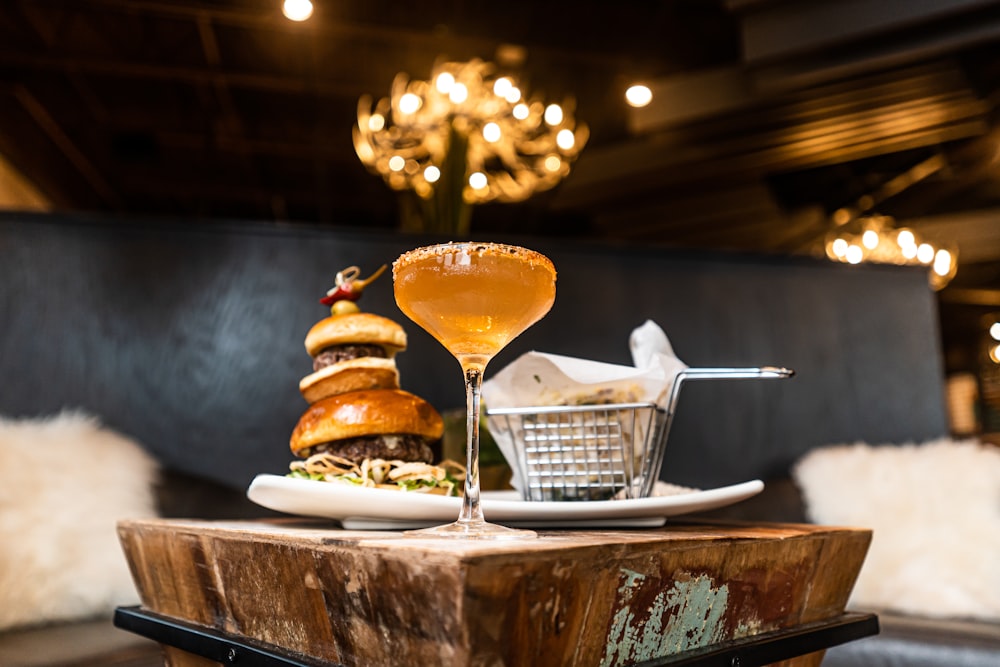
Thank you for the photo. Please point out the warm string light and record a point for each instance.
(513, 146)
(879, 241)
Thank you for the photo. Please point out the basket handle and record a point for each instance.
(760, 372)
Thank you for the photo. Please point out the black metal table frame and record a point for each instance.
(762, 649)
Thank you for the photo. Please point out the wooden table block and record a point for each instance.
(601, 597)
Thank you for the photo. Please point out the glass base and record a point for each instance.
(472, 530)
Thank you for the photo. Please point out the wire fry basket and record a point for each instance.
(596, 452)
(587, 452)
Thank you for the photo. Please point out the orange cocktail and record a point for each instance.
(474, 298)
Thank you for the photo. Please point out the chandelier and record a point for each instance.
(879, 241)
(470, 131)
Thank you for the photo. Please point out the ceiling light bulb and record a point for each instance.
(444, 82)
(376, 122)
(553, 114)
(942, 262)
(432, 174)
(565, 139)
(995, 330)
(478, 180)
(905, 238)
(840, 247)
(297, 10)
(513, 95)
(458, 93)
(502, 86)
(638, 95)
(491, 132)
(870, 239)
(995, 354)
(553, 163)
(925, 253)
(854, 254)
(409, 103)
(396, 163)
(521, 111)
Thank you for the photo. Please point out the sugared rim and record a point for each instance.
(477, 247)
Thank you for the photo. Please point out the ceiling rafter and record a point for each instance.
(67, 146)
(182, 74)
(387, 34)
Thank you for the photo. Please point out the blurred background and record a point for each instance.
(763, 126)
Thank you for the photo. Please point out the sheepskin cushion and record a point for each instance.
(64, 483)
(935, 513)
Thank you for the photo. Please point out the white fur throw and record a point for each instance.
(64, 484)
(935, 513)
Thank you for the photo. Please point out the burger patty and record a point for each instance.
(389, 447)
(331, 355)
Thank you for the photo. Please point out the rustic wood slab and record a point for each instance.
(612, 597)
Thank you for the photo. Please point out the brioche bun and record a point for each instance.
(365, 413)
(350, 375)
(356, 328)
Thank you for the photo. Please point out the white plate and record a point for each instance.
(359, 508)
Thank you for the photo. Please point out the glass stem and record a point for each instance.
(472, 512)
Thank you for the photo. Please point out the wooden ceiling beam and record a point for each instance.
(836, 123)
(182, 74)
(69, 149)
(230, 123)
(627, 169)
(340, 29)
(330, 152)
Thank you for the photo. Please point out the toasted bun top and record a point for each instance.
(367, 412)
(355, 328)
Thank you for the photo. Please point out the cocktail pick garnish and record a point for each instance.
(348, 289)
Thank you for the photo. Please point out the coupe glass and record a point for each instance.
(474, 298)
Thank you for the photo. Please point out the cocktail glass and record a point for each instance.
(474, 298)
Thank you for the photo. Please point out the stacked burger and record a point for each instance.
(360, 427)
